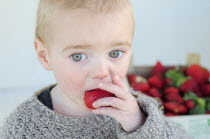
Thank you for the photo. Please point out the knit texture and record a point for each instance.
(33, 120)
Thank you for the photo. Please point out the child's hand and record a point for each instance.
(124, 107)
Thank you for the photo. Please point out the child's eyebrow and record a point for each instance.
(85, 46)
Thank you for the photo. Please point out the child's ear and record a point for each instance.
(42, 53)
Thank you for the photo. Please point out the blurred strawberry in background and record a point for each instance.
(182, 90)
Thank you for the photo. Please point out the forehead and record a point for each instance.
(86, 26)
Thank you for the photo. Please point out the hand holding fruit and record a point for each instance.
(123, 107)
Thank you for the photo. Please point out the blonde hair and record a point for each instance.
(47, 8)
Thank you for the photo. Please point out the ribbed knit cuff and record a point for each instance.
(154, 124)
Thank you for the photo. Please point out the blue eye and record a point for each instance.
(78, 57)
(116, 53)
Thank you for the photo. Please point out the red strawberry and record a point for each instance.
(174, 97)
(175, 107)
(206, 75)
(171, 90)
(158, 69)
(190, 104)
(199, 74)
(171, 106)
(189, 85)
(182, 109)
(170, 114)
(140, 86)
(93, 95)
(168, 81)
(198, 92)
(133, 78)
(206, 90)
(156, 81)
(154, 92)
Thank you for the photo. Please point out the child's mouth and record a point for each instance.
(91, 90)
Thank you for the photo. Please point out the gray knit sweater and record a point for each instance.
(33, 120)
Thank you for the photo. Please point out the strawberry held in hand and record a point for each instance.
(93, 95)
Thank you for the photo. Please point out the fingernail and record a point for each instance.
(94, 104)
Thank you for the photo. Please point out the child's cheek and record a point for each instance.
(76, 80)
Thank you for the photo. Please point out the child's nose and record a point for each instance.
(100, 71)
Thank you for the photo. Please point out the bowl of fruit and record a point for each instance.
(183, 90)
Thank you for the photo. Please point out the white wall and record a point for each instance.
(19, 66)
(165, 30)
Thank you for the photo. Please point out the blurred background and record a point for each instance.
(165, 30)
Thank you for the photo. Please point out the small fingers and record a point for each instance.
(114, 89)
(110, 101)
(115, 113)
(118, 81)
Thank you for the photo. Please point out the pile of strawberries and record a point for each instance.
(182, 90)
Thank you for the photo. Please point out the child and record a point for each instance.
(88, 45)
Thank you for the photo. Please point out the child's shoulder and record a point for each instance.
(16, 121)
(22, 111)
(26, 109)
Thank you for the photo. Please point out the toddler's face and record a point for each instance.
(88, 48)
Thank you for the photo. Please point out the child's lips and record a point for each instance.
(91, 90)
